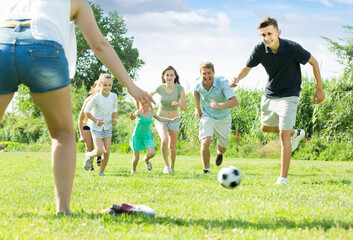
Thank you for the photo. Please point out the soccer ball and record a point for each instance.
(229, 177)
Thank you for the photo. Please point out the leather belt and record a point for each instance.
(13, 24)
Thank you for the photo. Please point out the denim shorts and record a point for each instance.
(172, 126)
(101, 134)
(39, 64)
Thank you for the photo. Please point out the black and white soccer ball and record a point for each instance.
(229, 177)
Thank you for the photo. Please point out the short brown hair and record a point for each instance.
(267, 22)
(207, 65)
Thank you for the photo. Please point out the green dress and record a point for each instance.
(142, 137)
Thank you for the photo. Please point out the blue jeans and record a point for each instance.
(39, 64)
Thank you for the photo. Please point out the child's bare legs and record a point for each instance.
(150, 154)
(106, 146)
(56, 108)
(135, 159)
(88, 140)
(99, 148)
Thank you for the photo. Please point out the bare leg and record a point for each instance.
(173, 136)
(285, 152)
(274, 129)
(56, 108)
(205, 151)
(221, 149)
(5, 100)
(135, 159)
(150, 154)
(107, 143)
(163, 134)
(99, 148)
(88, 140)
(286, 147)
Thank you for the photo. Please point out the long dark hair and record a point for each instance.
(176, 80)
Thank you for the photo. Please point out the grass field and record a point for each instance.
(317, 203)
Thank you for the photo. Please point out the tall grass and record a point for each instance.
(317, 204)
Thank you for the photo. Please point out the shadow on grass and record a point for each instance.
(136, 219)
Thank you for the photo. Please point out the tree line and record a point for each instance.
(329, 125)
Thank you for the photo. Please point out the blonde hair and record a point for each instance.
(95, 88)
(103, 76)
(207, 65)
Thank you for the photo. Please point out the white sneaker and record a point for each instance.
(166, 170)
(133, 172)
(295, 139)
(281, 180)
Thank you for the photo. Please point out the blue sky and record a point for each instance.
(183, 33)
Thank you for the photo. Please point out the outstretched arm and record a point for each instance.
(242, 74)
(319, 95)
(81, 12)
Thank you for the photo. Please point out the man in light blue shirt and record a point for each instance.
(217, 100)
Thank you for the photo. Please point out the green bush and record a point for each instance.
(7, 146)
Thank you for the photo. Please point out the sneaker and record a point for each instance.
(92, 168)
(133, 172)
(281, 180)
(87, 163)
(99, 161)
(206, 171)
(295, 139)
(166, 170)
(219, 159)
(149, 165)
(102, 174)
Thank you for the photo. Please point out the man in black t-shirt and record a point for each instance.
(281, 59)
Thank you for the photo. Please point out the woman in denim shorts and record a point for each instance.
(41, 64)
(172, 97)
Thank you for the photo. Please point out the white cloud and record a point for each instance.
(330, 3)
(184, 40)
(350, 2)
(142, 6)
(167, 33)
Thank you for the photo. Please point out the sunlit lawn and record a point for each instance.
(317, 203)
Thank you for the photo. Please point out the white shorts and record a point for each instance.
(279, 112)
(222, 128)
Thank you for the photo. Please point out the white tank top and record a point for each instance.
(50, 20)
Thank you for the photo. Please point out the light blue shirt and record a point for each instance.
(219, 92)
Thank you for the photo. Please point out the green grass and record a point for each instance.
(317, 204)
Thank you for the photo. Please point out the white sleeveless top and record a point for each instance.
(50, 20)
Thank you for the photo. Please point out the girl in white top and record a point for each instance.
(101, 111)
(51, 21)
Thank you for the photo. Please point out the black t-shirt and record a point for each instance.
(283, 69)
